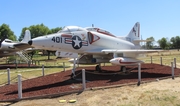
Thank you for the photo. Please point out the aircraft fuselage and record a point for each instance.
(80, 42)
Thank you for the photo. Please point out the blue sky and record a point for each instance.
(158, 18)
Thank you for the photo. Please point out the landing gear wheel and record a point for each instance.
(72, 76)
(123, 69)
(98, 68)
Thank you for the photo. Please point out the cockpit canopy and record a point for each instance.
(99, 30)
(69, 29)
(8, 40)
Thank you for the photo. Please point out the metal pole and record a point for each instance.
(16, 64)
(151, 59)
(29, 63)
(19, 87)
(83, 79)
(64, 66)
(172, 67)
(8, 74)
(42, 70)
(77, 62)
(139, 74)
(175, 62)
(161, 60)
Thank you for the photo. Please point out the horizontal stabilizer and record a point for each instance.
(22, 46)
(142, 40)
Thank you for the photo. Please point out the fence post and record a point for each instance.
(172, 67)
(29, 63)
(151, 59)
(83, 79)
(42, 70)
(139, 74)
(161, 60)
(8, 74)
(16, 63)
(175, 62)
(19, 87)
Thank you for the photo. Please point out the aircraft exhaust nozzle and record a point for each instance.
(30, 42)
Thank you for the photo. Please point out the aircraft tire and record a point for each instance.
(98, 68)
(123, 69)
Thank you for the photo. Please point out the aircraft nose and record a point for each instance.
(30, 42)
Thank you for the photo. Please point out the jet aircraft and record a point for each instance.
(9, 47)
(94, 45)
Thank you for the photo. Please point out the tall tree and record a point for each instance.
(163, 43)
(150, 42)
(6, 31)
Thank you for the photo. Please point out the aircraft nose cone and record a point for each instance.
(30, 42)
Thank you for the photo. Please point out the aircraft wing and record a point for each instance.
(129, 51)
(106, 51)
(94, 51)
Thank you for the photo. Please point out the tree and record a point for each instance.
(150, 43)
(55, 30)
(173, 41)
(176, 42)
(6, 31)
(163, 43)
(36, 30)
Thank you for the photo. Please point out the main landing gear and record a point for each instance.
(98, 68)
(74, 69)
(124, 70)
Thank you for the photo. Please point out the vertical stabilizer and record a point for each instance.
(134, 34)
(27, 36)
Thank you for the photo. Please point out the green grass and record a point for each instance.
(51, 66)
(167, 57)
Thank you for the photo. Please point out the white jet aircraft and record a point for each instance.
(94, 45)
(9, 47)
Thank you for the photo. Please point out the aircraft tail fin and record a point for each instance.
(134, 34)
(27, 36)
